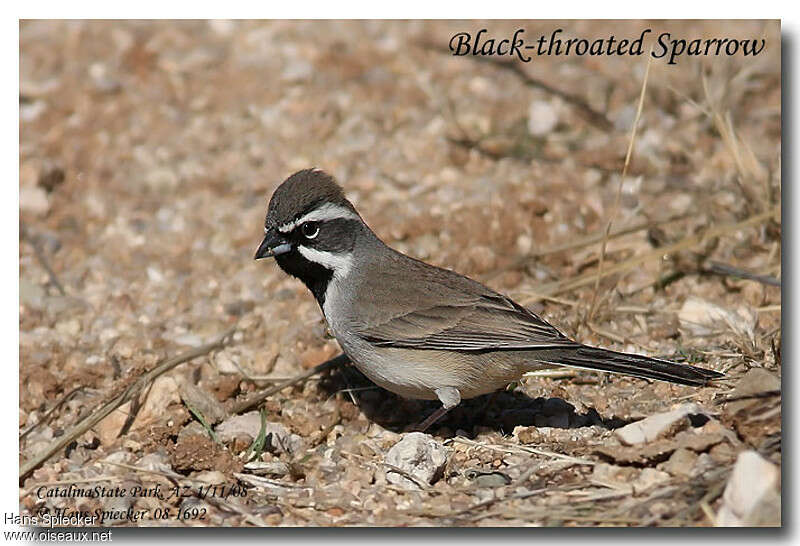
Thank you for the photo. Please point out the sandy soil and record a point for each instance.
(148, 151)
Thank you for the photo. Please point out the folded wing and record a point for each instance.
(483, 323)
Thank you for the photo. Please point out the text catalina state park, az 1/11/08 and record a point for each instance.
(463, 43)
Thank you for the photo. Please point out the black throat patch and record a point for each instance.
(315, 276)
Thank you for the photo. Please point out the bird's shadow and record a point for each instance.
(500, 411)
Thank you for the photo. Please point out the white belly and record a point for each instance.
(416, 373)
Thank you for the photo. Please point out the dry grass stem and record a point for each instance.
(658, 253)
(581, 242)
(618, 196)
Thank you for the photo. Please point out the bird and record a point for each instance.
(415, 329)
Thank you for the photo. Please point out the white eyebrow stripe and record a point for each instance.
(328, 211)
(340, 264)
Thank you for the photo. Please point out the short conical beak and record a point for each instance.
(273, 245)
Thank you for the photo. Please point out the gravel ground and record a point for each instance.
(148, 151)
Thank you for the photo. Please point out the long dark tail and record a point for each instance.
(593, 358)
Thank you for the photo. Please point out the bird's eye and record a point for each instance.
(310, 230)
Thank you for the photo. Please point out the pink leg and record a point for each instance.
(450, 398)
(431, 419)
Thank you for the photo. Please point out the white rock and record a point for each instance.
(222, 27)
(542, 117)
(702, 318)
(109, 428)
(612, 476)
(481, 86)
(623, 117)
(69, 328)
(680, 203)
(420, 456)
(107, 334)
(33, 199)
(32, 110)
(155, 275)
(102, 78)
(187, 338)
(225, 363)
(524, 244)
(157, 462)
(754, 481)
(648, 478)
(211, 476)
(649, 428)
(163, 393)
(161, 178)
(297, 70)
(704, 463)
(93, 360)
(249, 425)
(119, 456)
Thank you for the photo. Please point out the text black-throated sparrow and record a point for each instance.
(418, 330)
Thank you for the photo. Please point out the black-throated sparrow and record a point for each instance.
(418, 330)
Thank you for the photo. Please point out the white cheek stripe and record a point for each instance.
(328, 211)
(340, 264)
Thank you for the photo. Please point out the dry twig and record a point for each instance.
(128, 394)
(587, 112)
(47, 416)
(259, 397)
(582, 107)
